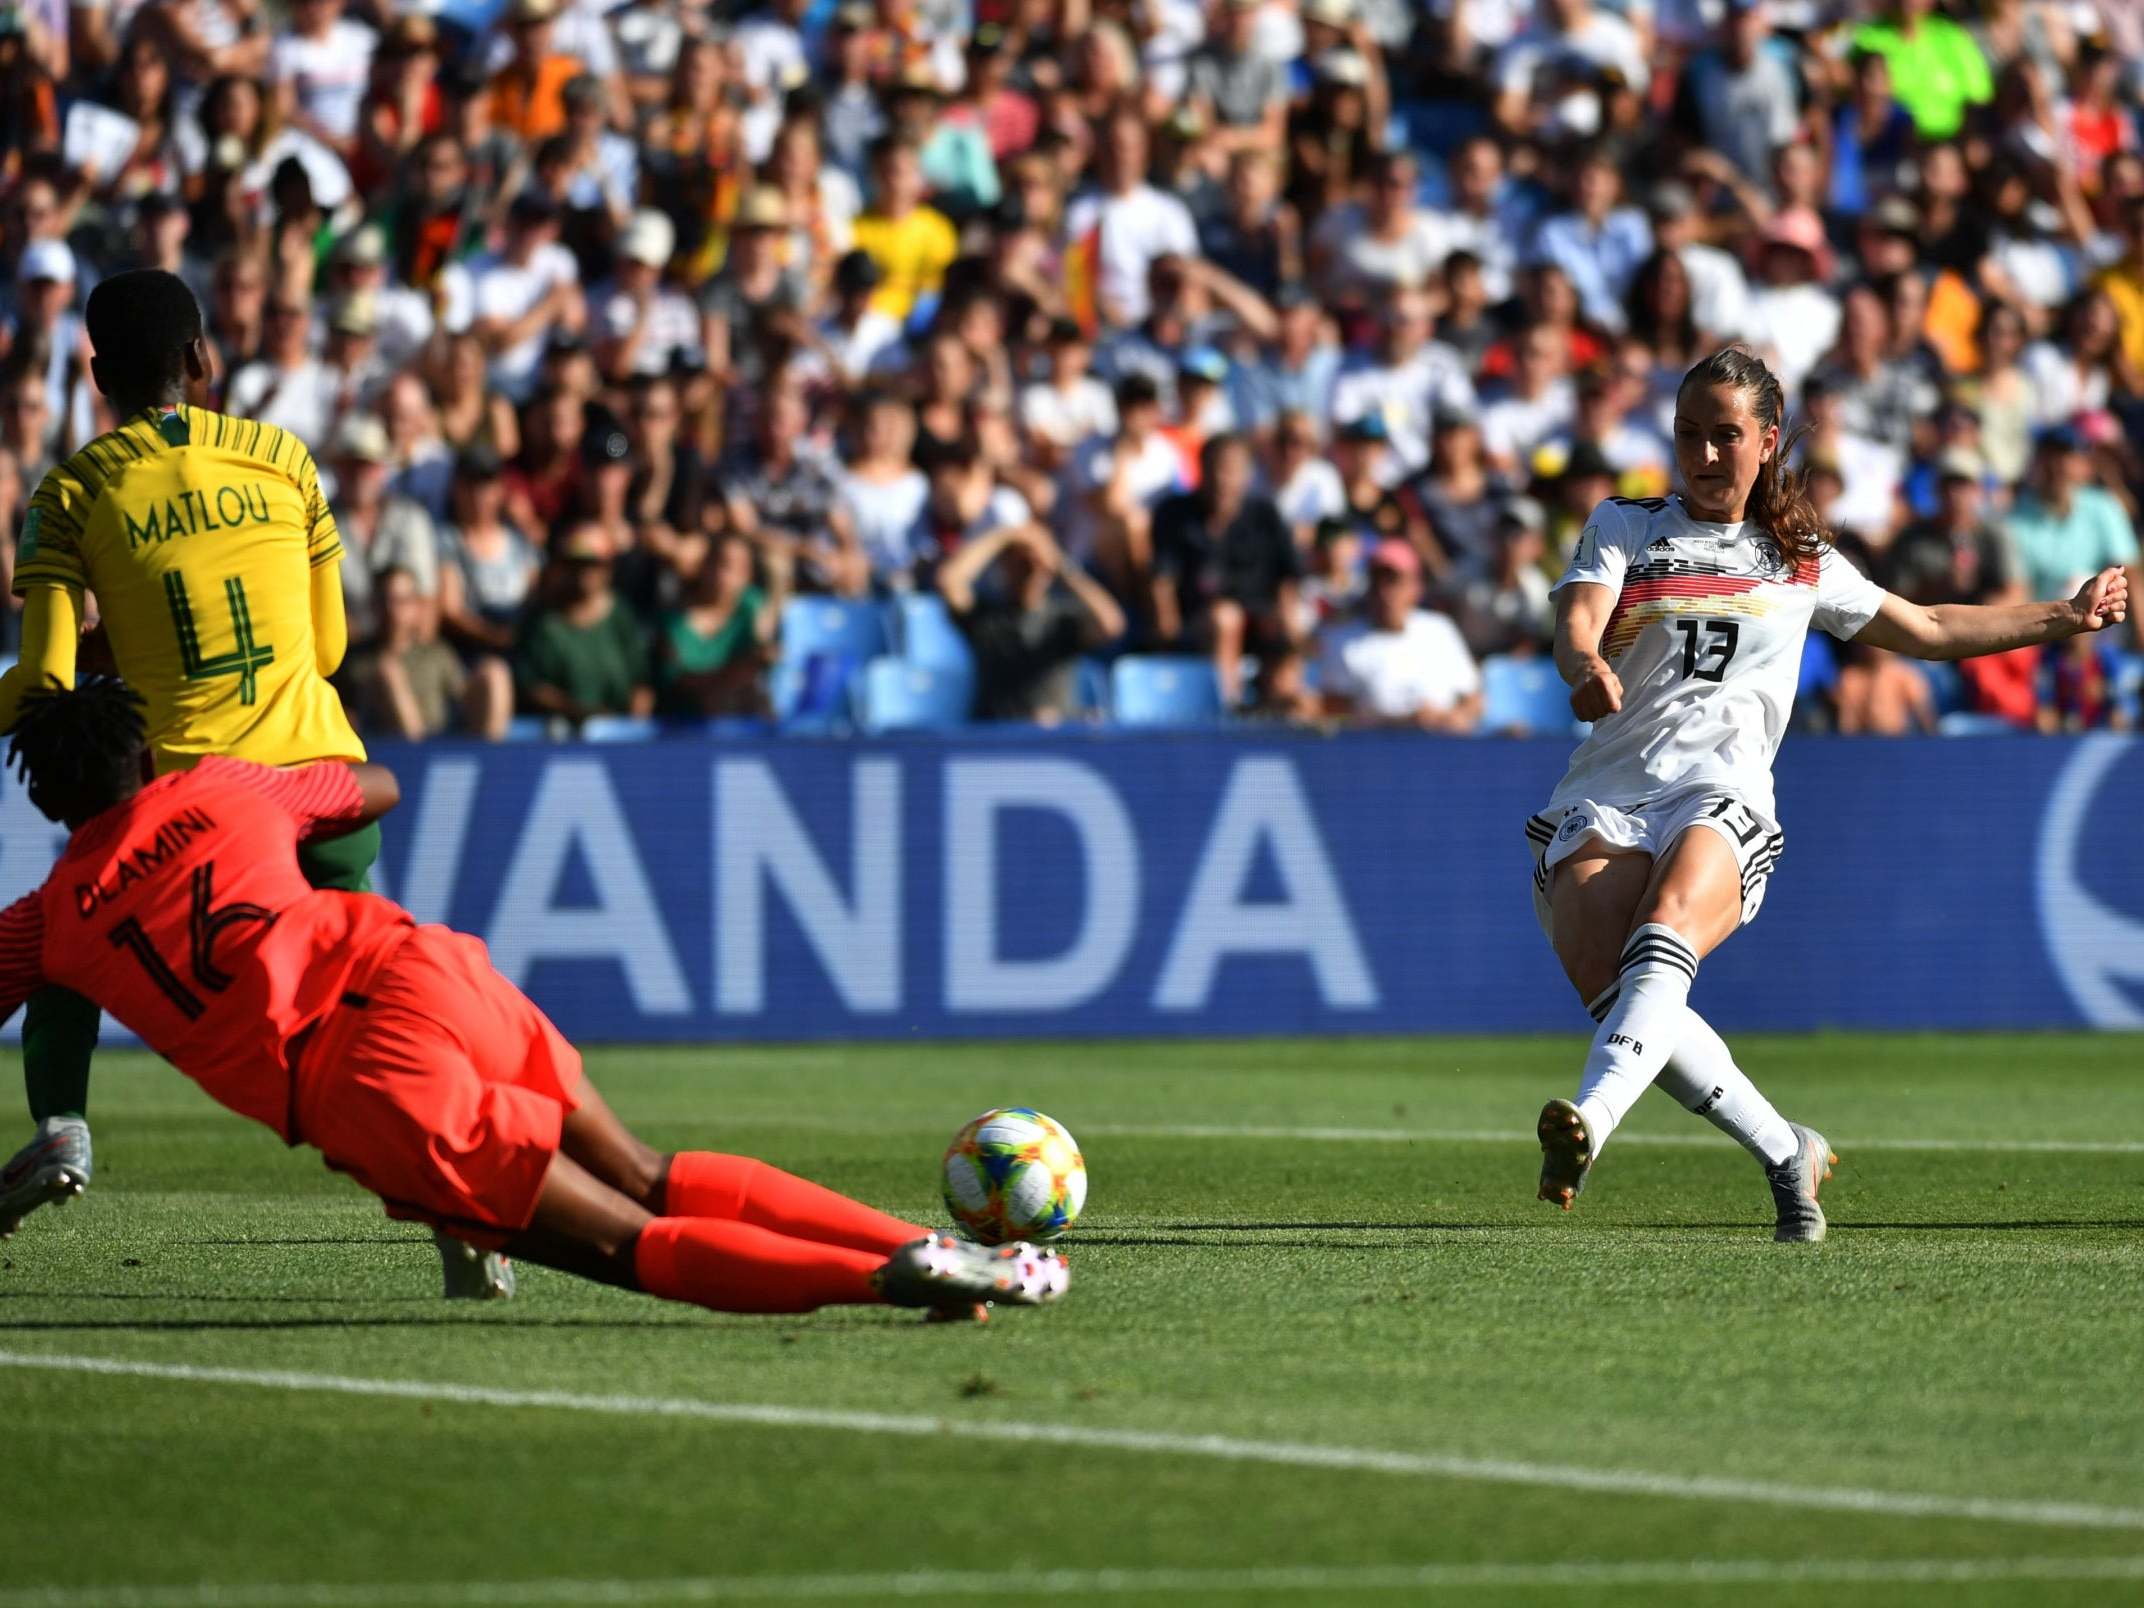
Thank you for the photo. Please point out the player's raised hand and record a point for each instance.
(2103, 600)
(1598, 696)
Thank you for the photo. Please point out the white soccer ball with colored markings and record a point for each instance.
(1014, 1174)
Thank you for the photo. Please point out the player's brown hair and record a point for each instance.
(1779, 502)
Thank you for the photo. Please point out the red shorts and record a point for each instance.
(438, 1086)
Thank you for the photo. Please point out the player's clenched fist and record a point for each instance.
(2103, 600)
(1598, 694)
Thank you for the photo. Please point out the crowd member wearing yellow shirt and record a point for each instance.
(216, 566)
(2123, 281)
(912, 244)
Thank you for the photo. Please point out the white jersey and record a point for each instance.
(1707, 639)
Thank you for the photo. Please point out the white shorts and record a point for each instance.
(1652, 828)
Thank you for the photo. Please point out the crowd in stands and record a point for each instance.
(677, 359)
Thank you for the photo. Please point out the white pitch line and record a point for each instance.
(933, 1583)
(1521, 1136)
(1219, 1448)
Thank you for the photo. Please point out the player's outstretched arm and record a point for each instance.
(1582, 610)
(51, 631)
(1966, 630)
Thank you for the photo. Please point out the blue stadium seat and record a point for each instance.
(852, 627)
(895, 695)
(1524, 695)
(1164, 690)
(526, 729)
(1946, 684)
(619, 729)
(1961, 723)
(924, 633)
(1090, 688)
(826, 642)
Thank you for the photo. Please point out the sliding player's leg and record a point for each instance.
(705, 1183)
(467, 1273)
(582, 1225)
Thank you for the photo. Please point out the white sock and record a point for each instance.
(1639, 1029)
(1702, 1076)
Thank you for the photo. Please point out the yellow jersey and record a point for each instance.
(199, 534)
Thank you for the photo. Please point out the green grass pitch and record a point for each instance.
(1674, 1410)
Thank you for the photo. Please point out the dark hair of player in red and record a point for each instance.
(79, 749)
(1779, 502)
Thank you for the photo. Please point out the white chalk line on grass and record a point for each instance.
(931, 1583)
(1218, 1448)
(1494, 1136)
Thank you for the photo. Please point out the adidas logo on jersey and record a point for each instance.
(1661, 544)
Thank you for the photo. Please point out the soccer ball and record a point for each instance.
(1014, 1174)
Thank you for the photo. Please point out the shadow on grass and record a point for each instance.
(240, 1325)
(2009, 1225)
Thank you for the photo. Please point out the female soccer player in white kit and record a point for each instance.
(1679, 626)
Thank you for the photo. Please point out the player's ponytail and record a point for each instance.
(1779, 501)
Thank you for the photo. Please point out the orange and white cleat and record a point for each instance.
(1795, 1182)
(1566, 1152)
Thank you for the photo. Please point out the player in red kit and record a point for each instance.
(397, 1051)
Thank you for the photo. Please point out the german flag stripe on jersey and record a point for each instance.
(199, 534)
(1665, 588)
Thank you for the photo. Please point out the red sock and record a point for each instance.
(734, 1267)
(704, 1184)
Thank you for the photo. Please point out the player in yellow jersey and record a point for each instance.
(216, 567)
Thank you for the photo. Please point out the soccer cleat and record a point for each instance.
(471, 1274)
(1795, 1182)
(50, 1170)
(946, 1272)
(1566, 1152)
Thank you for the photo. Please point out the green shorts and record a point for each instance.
(342, 862)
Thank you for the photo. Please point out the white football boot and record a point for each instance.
(51, 1170)
(470, 1274)
(941, 1271)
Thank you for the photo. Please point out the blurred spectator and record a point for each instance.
(486, 566)
(1599, 243)
(913, 244)
(1114, 483)
(1504, 605)
(2064, 527)
(1399, 664)
(27, 429)
(1226, 567)
(518, 297)
(713, 649)
(642, 326)
(1334, 579)
(1937, 70)
(780, 490)
(1030, 630)
(1305, 487)
(882, 491)
(1739, 97)
(1070, 405)
(1407, 380)
(1118, 230)
(288, 386)
(582, 653)
(409, 684)
(1537, 403)
(1958, 556)
(380, 529)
